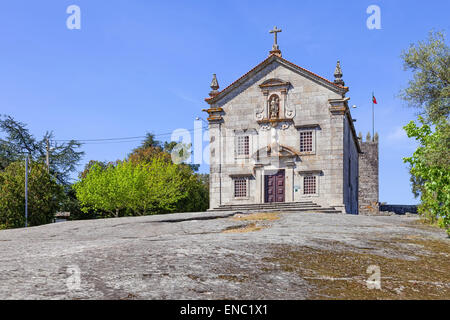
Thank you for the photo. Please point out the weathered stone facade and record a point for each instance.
(368, 177)
(281, 118)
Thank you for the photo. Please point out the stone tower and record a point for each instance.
(368, 176)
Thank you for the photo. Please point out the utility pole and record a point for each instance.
(47, 147)
(26, 191)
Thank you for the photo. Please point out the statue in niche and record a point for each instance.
(274, 107)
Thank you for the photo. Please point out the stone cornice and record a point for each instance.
(274, 83)
(307, 126)
(338, 106)
(214, 114)
(241, 175)
(306, 172)
(274, 121)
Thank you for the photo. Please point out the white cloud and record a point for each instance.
(397, 135)
(398, 139)
(185, 97)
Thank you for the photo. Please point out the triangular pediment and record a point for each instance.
(277, 82)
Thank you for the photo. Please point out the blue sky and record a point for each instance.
(140, 66)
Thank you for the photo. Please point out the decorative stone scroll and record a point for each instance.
(259, 112)
(288, 111)
(267, 124)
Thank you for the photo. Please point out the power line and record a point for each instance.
(110, 142)
(104, 139)
(123, 139)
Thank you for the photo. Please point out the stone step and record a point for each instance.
(279, 206)
(319, 210)
(267, 208)
(269, 205)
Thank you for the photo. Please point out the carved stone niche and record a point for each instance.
(276, 107)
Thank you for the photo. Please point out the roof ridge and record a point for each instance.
(231, 84)
(315, 74)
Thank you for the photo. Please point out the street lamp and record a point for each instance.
(200, 118)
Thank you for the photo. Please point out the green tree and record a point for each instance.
(196, 185)
(44, 195)
(71, 204)
(163, 187)
(89, 165)
(147, 154)
(150, 141)
(101, 190)
(64, 157)
(147, 182)
(432, 170)
(142, 188)
(429, 90)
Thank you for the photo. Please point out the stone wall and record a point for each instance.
(398, 208)
(350, 167)
(368, 177)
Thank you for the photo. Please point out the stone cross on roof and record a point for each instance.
(275, 48)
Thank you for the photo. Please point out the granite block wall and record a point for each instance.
(368, 178)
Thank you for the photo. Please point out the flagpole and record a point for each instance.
(373, 119)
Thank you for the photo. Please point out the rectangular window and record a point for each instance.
(309, 185)
(240, 187)
(306, 141)
(243, 148)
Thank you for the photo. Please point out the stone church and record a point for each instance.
(281, 134)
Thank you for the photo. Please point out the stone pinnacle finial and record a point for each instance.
(275, 49)
(214, 86)
(338, 74)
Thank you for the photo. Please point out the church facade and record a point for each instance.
(281, 133)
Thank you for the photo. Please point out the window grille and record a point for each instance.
(309, 185)
(240, 187)
(306, 141)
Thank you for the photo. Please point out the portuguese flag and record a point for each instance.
(374, 100)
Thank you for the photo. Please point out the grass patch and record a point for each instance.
(244, 228)
(342, 273)
(233, 278)
(261, 216)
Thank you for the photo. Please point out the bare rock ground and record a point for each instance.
(219, 256)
